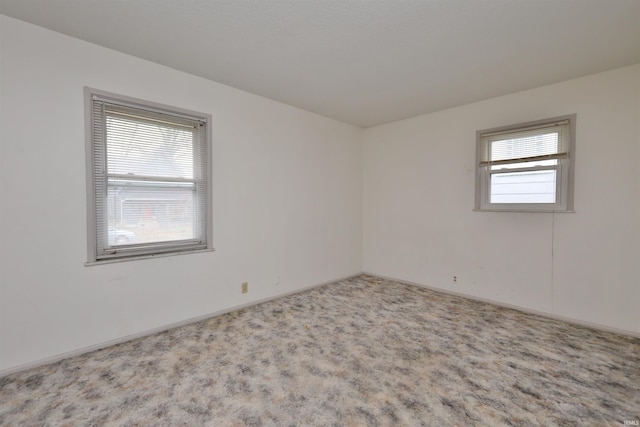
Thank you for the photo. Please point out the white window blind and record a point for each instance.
(527, 145)
(150, 179)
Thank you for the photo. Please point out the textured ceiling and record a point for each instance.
(364, 62)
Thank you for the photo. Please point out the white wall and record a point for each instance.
(287, 200)
(419, 193)
(287, 195)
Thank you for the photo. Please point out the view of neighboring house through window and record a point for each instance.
(527, 167)
(150, 178)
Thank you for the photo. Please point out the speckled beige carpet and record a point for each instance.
(363, 351)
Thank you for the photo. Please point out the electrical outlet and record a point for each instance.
(455, 279)
(245, 287)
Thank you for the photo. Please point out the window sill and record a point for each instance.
(524, 210)
(141, 257)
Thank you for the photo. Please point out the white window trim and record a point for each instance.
(565, 168)
(142, 253)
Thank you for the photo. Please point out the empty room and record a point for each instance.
(319, 212)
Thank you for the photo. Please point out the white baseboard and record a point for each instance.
(515, 307)
(101, 345)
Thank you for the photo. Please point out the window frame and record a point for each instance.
(564, 176)
(153, 249)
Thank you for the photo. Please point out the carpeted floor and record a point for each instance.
(363, 351)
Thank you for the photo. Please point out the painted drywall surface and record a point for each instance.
(419, 194)
(287, 201)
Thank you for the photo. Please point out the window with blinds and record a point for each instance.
(150, 178)
(526, 167)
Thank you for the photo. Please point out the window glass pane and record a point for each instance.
(523, 187)
(147, 148)
(145, 214)
(526, 146)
